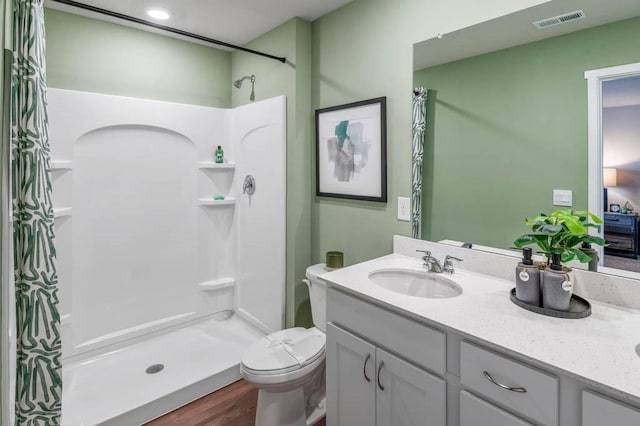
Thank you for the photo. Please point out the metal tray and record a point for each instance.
(579, 308)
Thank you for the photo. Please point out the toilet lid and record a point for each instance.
(284, 351)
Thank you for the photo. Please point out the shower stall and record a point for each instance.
(169, 264)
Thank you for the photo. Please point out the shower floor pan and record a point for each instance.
(184, 364)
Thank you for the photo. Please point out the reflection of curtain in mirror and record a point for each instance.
(419, 127)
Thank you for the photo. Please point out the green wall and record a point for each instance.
(506, 128)
(365, 50)
(360, 51)
(292, 79)
(95, 56)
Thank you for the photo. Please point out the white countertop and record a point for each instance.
(599, 349)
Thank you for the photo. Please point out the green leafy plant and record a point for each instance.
(562, 232)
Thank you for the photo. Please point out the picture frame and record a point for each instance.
(614, 208)
(351, 150)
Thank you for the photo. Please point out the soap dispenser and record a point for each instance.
(528, 279)
(219, 155)
(557, 285)
(593, 254)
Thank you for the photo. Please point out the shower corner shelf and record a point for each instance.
(62, 211)
(208, 202)
(219, 284)
(220, 166)
(60, 165)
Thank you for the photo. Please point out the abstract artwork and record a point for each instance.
(351, 157)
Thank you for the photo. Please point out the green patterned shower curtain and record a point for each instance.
(38, 375)
(419, 127)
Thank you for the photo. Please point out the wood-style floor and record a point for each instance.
(234, 405)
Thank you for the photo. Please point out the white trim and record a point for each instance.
(594, 119)
(285, 145)
(613, 73)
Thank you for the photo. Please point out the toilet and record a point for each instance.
(288, 366)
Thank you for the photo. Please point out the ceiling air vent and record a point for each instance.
(560, 19)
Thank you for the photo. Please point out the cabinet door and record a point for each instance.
(598, 411)
(407, 395)
(474, 411)
(351, 388)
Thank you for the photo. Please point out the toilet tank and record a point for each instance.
(317, 295)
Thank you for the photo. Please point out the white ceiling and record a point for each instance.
(232, 21)
(517, 28)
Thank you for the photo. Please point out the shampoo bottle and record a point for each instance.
(528, 279)
(557, 285)
(219, 155)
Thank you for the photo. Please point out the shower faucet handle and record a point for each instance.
(249, 185)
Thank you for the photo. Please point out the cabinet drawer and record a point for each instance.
(416, 342)
(598, 411)
(619, 242)
(475, 411)
(620, 220)
(619, 229)
(538, 401)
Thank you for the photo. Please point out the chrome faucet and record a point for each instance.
(448, 264)
(431, 264)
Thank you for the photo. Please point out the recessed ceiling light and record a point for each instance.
(159, 14)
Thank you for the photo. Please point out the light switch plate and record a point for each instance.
(404, 208)
(563, 197)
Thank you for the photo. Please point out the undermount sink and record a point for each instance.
(415, 283)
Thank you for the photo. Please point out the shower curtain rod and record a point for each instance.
(165, 28)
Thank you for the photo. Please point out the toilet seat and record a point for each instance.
(284, 356)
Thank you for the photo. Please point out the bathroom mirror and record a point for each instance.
(507, 116)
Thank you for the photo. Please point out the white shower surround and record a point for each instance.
(142, 247)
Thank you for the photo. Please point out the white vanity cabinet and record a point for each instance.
(598, 411)
(525, 390)
(377, 364)
(351, 388)
(387, 368)
(367, 386)
(475, 411)
(407, 395)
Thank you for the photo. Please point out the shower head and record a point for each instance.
(238, 83)
(252, 78)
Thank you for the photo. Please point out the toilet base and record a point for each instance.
(318, 413)
(281, 408)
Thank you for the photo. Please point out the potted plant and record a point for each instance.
(559, 236)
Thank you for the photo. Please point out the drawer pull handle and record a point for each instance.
(509, 388)
(379, 370)
(364, 368)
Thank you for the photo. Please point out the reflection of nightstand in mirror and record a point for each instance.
(621, 233)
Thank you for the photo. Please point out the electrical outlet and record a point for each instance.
(404, 208)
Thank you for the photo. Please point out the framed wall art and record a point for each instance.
(351, 151)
